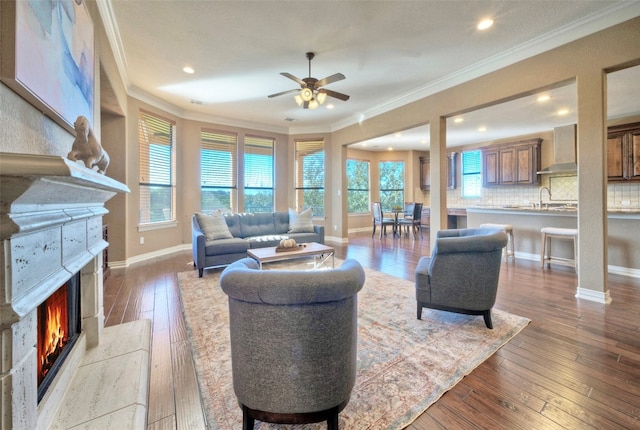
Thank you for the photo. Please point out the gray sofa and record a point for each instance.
(248, 231)
(293, 340)
(462, 273)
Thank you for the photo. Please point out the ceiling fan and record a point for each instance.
(311, 94)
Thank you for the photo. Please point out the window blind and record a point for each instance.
(258, 174)
(218, 178)
(156, 168)
(309, 159)
(471, 173)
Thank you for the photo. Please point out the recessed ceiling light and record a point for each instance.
(398, 135)
(482, 128)
(544, 98)
(423, 141)
(458, 120)
(563, 112)
(485, 23)
(389, 149)
(188, 70)
(330, 106)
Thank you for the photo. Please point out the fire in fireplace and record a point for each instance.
(59, 323)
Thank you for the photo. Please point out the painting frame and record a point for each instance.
(48, 57)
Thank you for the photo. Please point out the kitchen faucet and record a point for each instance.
(540, 195)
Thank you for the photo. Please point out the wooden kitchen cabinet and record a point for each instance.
(514, 163)
(425, 172)
(623, 153)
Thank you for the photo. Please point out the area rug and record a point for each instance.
(404, 364)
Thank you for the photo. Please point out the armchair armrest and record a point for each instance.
(197, 244)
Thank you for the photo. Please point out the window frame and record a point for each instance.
(156, 131)
(260, 144)
(216, 174)
(302, 150)
(385, 205)
(367, 189)
(475, 175)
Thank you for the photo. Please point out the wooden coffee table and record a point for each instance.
(320, 253)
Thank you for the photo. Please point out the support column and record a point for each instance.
(438, 193)
(592, 187)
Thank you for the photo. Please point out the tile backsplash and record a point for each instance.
(564, 189)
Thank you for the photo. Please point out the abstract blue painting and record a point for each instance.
(54, 57)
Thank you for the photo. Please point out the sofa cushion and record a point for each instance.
(257, 224)
(281, 220)
(213, 226)
(226, 246)
(300, 222)
(266, 240)
(233, 222)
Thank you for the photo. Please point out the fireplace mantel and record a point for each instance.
(51, 213)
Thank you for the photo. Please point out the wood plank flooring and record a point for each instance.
(576, 366)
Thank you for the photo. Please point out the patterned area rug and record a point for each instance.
(404, 364)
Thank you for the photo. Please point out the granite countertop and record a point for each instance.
(552, 210)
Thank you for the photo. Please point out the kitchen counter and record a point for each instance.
(623, 232)
(552, 211)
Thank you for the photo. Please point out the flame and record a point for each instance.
(53, 323)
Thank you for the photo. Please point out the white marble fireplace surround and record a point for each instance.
(51, 213)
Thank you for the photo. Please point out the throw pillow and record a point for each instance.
(213, 226)
(300, 222)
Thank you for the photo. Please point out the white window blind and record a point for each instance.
(156, 143)
(471, 174)
(218, 176)
(258, 174)
(309, 158)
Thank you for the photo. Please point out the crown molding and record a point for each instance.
(616, 14)
(110, 24)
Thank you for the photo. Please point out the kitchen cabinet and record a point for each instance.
(623, 153)
(514, 163)
(425, 172)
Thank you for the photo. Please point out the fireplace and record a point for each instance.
(58, 328)
(51, 213)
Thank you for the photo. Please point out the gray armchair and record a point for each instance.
(462, 273)
(293, 341)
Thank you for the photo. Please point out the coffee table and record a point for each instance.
(320, 253)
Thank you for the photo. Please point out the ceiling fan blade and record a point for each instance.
(336, 95)
(293, 78)
(283, 93)
(329, 79)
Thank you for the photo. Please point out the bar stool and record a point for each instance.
(509, 250)
(559, 233)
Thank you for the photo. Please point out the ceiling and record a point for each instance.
(391, 52)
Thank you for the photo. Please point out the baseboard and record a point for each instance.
(336, 239)
(594, 296)
(615, 270)
(149, 255)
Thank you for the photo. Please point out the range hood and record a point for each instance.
(564, 151)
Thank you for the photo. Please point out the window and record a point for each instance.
(391, 184)
(217, 170)
(310, 176)
(258, 174)
(471, 174)
(357, 186)
(156, 169)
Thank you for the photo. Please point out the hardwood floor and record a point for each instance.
(576, 366)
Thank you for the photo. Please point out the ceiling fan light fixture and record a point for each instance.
(306, 94)
(313, 104)
(298, 99)
(321, 97)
